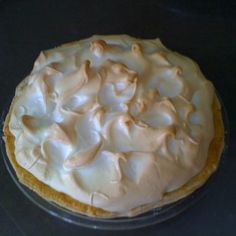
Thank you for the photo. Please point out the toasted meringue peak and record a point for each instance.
(114, 121)
(137, 49)
(98, 47)
(82, 157)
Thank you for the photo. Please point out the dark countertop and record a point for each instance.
(202, 30)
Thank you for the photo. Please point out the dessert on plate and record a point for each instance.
(114, 126)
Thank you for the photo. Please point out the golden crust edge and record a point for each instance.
(46, 192)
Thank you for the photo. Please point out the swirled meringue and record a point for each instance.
(113, 121)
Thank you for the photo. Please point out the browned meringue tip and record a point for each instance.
(82, 158)
(98, 46)
(137, 49)
(29, 123)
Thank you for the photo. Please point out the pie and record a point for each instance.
(114, 126)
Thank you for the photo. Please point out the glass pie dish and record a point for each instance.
(151, 217)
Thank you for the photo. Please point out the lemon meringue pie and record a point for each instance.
(114, 126)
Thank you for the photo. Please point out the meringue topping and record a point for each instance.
(113, 121)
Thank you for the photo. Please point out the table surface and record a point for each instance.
(202, 30)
